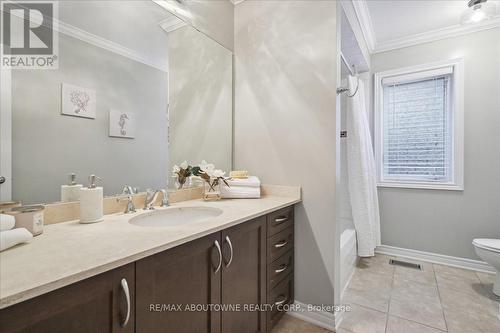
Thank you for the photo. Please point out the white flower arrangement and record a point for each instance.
(210, 174)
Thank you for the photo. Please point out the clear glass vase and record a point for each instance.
(211, 193)
(178, 183)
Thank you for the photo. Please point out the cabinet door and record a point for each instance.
(95, 305)
(244, 276)
(181, 276)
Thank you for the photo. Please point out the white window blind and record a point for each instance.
(417, 127)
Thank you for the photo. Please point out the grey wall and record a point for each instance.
(285, 81)
(446, 222)
(47, 145)
(201, 99)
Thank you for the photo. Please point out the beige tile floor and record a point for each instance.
(393, 299)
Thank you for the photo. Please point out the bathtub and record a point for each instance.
(348, 257)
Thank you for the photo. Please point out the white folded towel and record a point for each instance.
(10, 238)
(251, 181)
(7, 222)
(239, 192)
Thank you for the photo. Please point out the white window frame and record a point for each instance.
(457, 105)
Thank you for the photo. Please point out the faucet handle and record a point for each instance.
(151, 196)
(130, 203)
(127, 189)
(150, 192)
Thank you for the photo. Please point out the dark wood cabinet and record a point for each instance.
(97, 304)
(244, 276)
(180, 290)
(169, 281)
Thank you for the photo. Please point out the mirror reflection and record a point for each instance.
(127, 102)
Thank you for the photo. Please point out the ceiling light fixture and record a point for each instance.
(479, 10)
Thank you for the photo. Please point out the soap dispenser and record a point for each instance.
(71, 192)
(91, 202)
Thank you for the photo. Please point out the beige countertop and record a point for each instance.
(69, 252)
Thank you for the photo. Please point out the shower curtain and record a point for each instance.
(361, 172)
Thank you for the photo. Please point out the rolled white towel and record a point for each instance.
(10, 238)
(251, 181)
(239, 192)
(7, 222)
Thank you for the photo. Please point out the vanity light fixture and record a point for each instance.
(479, 10)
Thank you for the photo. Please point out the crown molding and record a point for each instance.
(172, 23)
(363, 16)
(108, 45)
(87, 37)
(235, 2)
(434, 35)
(365, 21)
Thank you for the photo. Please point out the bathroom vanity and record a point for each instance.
(125, 104)
(116, 276)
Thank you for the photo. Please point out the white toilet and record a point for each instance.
(489, 251)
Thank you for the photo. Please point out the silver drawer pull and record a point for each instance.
(280, 219)
(124, 286)
(283, 301)
(282, 269)
(281, 244)
(216, 243)
(231, 251)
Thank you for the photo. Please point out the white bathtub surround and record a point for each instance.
(348, 257)
(10, 238)
(241, 188)
(361, 172)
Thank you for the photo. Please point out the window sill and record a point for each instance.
(422, 185)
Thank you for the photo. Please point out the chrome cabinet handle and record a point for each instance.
(217, 245)
(231, 251)
(282, 269)
(124, 286)
(280, 219)
(278, 245)
(278, 303)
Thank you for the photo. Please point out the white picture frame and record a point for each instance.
(122, 124)
(78, 101)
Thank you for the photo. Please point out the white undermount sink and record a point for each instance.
(174, 216)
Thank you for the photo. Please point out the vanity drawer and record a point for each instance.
(279, 220)
(279, 244)
(281, 295)
(279, 269)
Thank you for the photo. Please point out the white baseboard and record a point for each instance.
(322, 319)
(435, 258)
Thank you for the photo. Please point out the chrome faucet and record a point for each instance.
(127, 189)
(151, 196)
(130, 204)
(164, 200)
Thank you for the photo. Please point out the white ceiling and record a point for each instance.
(390, 24)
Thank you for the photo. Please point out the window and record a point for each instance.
(419, 127)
